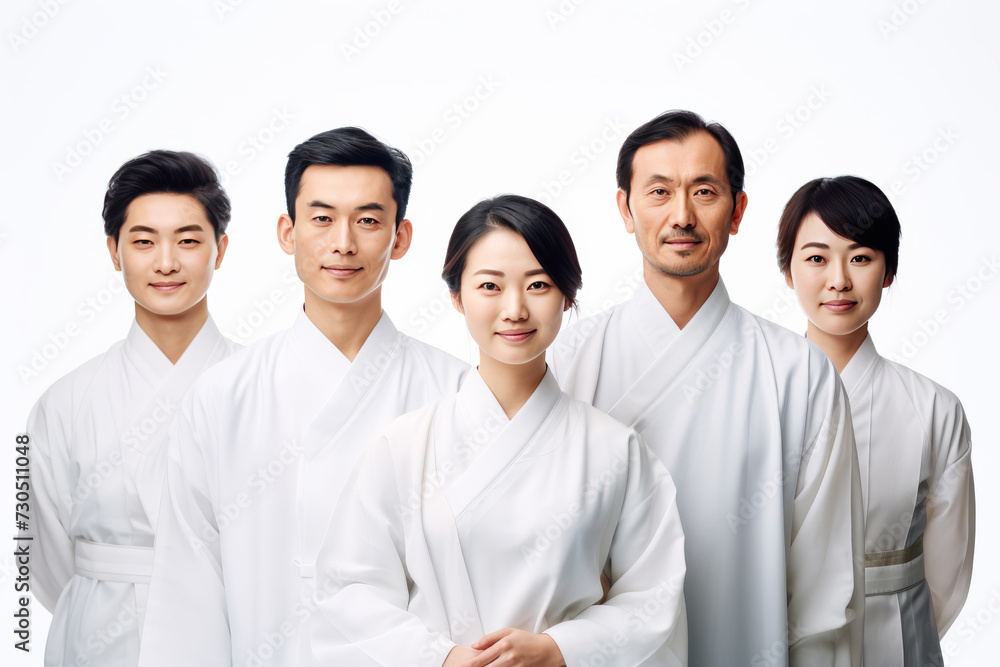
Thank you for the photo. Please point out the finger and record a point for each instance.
(488, 656)
(491, 639)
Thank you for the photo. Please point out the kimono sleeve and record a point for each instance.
(950, 535)
(362, 578)
(825, 578)
(644, 616)
(187, 620)
(53, 563)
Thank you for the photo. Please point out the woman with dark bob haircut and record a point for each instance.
(838, 246)
(479, 530)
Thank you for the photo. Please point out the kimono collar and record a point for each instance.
(313, 345)
(860, 365)
(655, 324)
(150, 361)
(481, 409)
(142, 353)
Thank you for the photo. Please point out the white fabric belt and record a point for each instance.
(114, 562)
(888, 572)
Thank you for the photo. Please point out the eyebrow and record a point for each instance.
(500, 274)
(704, 178)
(823, 246)
(179, 230)
(370, 206)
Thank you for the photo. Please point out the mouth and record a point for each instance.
(517, 335)
(839, 305)
(682, 243)
(165, 286)
(341, 271)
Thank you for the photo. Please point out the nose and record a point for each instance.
(167, 259)
(681, 215)
(839, 278)
(515, 306)
(341, 238)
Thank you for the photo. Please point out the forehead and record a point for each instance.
(165, 210)
(498, 249)
(694, 156)
(812, 229)
(345, 186)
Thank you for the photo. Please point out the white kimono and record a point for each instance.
(93, 510)
(458, 522)
(257, 456)
(914, 451)
(753, 424)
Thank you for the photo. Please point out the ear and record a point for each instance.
(567, 305)
(625, 212)
(456, 301)
(286, 239)
(223, 244)
(404, 235)
(113, 249)
(888, 280)
(738, 211)
(788, 279)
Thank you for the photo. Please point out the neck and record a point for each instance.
(173, 333)
(840, 349)
(681, 296)
(346, 325)
(511, 384)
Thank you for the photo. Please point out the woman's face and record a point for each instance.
(838, 282)
(512, 307)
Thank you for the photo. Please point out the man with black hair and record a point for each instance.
(750, 419)
(262, 446)
(95, 478)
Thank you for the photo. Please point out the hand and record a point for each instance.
(459, 655)
(514, 648)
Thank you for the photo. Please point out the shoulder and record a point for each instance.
(444, 370)
(222, 379)
(792, 354)
(67, 392)
(927, 397)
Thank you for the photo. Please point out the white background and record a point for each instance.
(543, 90)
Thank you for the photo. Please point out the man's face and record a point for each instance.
(167, 253)
(681, 207)
(344, 232)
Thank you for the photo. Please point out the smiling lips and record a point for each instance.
(341, 271)
(839, 305)
(516, 335)
(166, 286)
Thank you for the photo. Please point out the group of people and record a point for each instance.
(673, 481)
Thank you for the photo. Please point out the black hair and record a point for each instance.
(543, 231)
(851, 207)
(162, 171)
(676, 125)
(349, 147)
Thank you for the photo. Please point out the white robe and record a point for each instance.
(95, 497)
(458, 522)
(914, 451)
(257, 456)
(753, 424)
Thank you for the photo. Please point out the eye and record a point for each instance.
(659, 192)
(322, 218)
(489, 286)
(705, 191)
(142, 243)
(815, 259)
(368, 222)
(538, 285)
(860, 259)
(190, 242)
